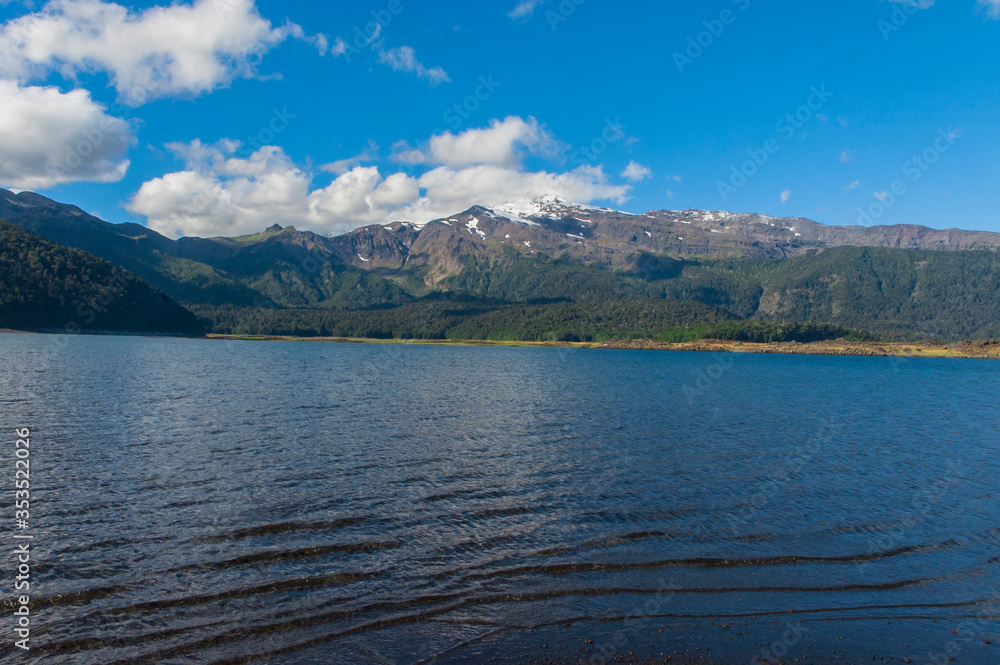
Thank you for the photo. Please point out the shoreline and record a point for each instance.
(975, 350)
(981, 350)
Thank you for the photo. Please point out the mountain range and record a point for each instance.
(896, 280)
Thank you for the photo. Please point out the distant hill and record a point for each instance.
(47, 287)
(906, 281)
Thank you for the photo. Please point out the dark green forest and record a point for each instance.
(896, 293)
(466, 318)
(45, 286)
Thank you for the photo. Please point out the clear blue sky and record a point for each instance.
(561, 77)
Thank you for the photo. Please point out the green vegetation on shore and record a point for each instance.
(471, 319)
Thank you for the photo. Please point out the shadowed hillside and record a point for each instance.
(45, 286)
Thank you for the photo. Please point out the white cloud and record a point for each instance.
(48, 138)
(502, 143)
(339, 48)
(636, 172)
(881, 196)
(854, 185)
(220, 194)
(785, 195)
(404, 59)
(845, 157)
(524, 8)
(451, 190)
(183, 49)
(992, 7)
(342, 166)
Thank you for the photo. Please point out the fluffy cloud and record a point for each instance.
(524, 8)
(636, 172)
(183, 49)
(502, 143)
(218, 193)
(786, 195)
(992, 7)
(404, 59)
(48, 137)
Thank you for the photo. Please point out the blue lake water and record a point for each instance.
(239, 502)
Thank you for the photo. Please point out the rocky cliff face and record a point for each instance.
(376, 246)
(618, 239)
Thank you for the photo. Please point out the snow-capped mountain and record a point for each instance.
(484, 234)
(617, 239)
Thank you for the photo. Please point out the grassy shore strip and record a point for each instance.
(983, 349)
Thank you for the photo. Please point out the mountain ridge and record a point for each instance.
(905, 280)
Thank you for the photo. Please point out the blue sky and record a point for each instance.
(898, 106)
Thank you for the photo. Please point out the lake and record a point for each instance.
(239, 502)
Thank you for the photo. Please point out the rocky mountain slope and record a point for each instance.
(620, 240)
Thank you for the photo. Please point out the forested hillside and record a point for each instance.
(45, 286)
(900, 293)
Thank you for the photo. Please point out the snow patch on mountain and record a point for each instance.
(473, 225)
(548, 207)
